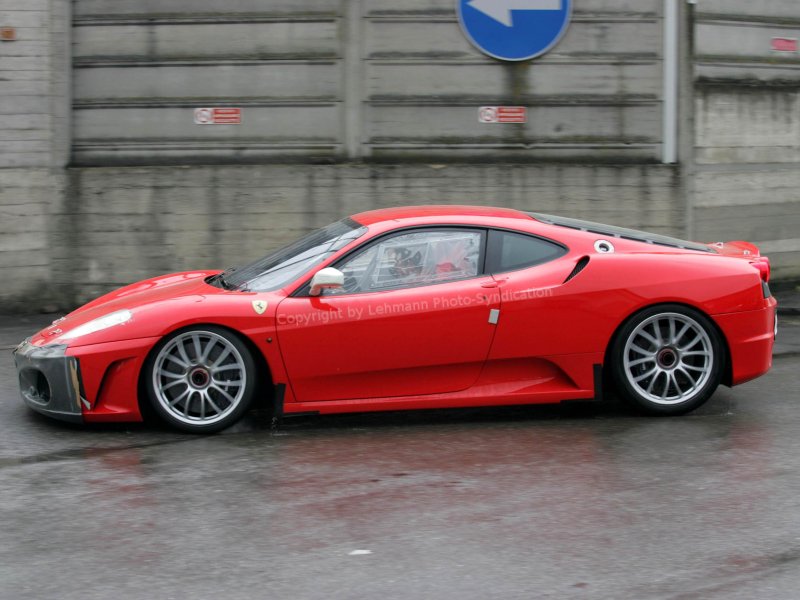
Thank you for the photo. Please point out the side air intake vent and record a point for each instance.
(580, 266)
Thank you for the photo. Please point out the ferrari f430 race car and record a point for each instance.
(414, 308)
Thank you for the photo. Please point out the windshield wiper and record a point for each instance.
(223, 283)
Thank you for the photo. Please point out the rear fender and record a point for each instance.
(727, 373)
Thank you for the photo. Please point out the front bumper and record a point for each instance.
(50, 381)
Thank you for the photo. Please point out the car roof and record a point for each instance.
(414, 212)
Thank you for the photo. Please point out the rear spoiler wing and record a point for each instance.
(740, 249)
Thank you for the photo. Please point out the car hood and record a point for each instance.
(135, 297)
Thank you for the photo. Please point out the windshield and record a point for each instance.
(283, 266)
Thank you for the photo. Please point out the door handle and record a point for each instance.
(494, 283)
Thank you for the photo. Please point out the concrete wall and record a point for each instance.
(142, 67)
(747, 128)
(355, 104)
(34, 144)
(27, 197)
(336, 79)
(34, 100)
(119, 225)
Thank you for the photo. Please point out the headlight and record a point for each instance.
(115, 318)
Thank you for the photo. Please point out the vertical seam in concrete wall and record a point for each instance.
(67, 260)
(686, 132)
(351, 32)
(68, 83)
(49, 58)
(670, 88)
(60, 58)
(214, 218)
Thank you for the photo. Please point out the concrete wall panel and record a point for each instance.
(259, 123)
(85, 9)
(392, 7)
(161, 54)
(195, 83)
(735, 39)
(422, 37)
(27, 196)
(26, 90)
(756, 9)
(747, 126)
(756, 223)
(552, 124)
(571, 81)
(768, 184)
(137, 222)
(206, 41)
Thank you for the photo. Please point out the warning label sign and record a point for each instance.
(502, 114)
(217, 116)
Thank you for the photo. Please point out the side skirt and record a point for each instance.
(278, 414)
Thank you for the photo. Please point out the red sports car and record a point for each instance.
(411, 308)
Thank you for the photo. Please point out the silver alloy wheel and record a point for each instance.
(199, 377)
(668, 358)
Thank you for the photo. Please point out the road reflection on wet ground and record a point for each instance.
(559, 502)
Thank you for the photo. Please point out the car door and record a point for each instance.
(413, 318)
(536, 319)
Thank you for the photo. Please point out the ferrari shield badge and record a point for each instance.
(259, 306)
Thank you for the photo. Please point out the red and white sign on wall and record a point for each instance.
(503, 114)
(780, 44)
(8, 34)
(217, 116)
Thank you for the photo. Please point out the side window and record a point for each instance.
(509, 251)
(412, 259)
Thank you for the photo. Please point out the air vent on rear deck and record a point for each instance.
(580, 266)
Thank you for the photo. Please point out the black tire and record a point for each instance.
(667, 360)
(201, 379)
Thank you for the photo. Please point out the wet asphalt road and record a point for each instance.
(570, 502)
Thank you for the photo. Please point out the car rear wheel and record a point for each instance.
(667, 360)
(200, 380)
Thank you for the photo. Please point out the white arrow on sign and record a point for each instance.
(500, 10)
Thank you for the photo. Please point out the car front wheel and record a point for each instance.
(201, 379)
(668, 360)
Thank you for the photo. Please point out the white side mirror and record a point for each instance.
(326, 279)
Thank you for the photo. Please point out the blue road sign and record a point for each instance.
(514, 29)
